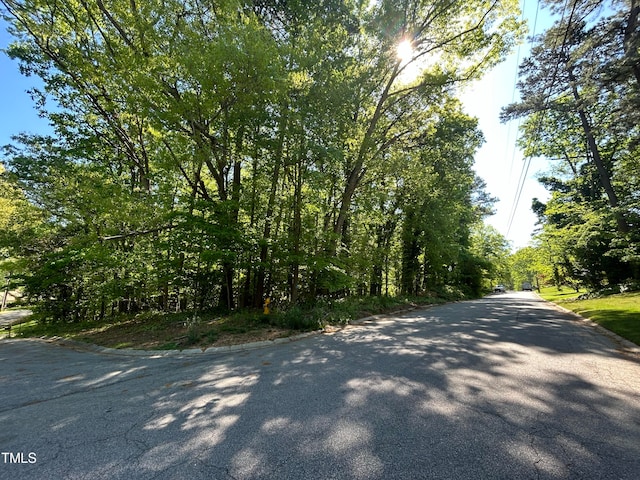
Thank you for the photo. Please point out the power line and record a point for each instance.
(513, 96)
(523, 177)
(524, 171)
(527, 164)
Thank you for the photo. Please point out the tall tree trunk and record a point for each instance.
(631, 39)
(603, 174)
(248, 289)
(227, 297)
(383, 239)
(410, 253)
(358, 170)
(258, 294)
(375, 285)
(296, 233)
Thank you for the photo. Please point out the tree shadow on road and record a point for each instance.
(489, 389)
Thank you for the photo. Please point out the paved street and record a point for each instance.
(504, 387)
(12, 316)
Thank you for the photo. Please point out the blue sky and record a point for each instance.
(498, 162)
(18, 112)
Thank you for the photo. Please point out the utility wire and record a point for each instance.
(527, 164)
(513, 98)
(525, 170)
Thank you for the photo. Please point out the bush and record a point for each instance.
(342, 311)
(297, 318)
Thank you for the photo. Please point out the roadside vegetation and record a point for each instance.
(619, 313)
(176, 331)
(297, 151)
(306, 153)
(588, 242)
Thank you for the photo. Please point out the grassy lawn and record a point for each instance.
(552, 294)
(618, 313)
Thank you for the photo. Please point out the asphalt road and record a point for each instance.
(10, 317)
(505, 387)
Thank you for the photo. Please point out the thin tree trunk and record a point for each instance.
(228, 268)
(4, 297)
(266, 235)
(296, 233)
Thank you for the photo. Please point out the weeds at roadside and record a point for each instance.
(176, 331)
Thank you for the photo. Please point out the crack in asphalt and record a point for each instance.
(78, 391)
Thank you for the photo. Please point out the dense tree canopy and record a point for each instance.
(211, 153)
(580, 90)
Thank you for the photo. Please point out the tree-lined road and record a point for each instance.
(502, 387)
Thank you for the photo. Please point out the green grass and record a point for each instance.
(33, 328)
(618, 313)
(552, 294)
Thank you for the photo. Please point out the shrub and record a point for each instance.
(299, 319)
